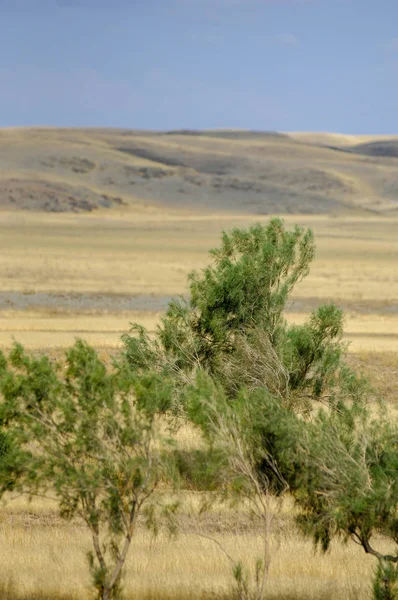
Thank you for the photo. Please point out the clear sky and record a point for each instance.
(305, 65)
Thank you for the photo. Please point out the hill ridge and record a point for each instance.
(257, 172)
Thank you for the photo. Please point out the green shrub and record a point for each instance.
(385, 586)
(233, 325)
(91, 435)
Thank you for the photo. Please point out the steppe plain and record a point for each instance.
(99, 228)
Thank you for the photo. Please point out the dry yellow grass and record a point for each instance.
(43, 555)
(372, 333)
(152, 253)
(45, 330)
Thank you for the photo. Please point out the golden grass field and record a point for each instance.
(43, 557)
(149, 252)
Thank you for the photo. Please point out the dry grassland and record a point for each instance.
(43, 557)
(150, 253)
(371, 333)
(248, 172)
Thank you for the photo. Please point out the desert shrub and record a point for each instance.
(250, 380)
(90, 436)
(233, 325)
(246, 286)
(342, 469)
(351, 478)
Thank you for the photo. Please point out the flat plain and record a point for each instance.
(92, 267)
(66, 276)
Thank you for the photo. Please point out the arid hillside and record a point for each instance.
(78, 170)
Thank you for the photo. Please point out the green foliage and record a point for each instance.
(385, 586)
(246, 586)
(341, 465)
(249, 435)
(246, 286)
(11, 462)
(242, 581)
(91, 437)
(13, 456)
(200, 469)
(342, 468)
(142, 352)
(233, 324)
(251, 453)
(349, 482)
(314, 350)
(4, 445)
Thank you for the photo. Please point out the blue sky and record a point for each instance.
(304, 65)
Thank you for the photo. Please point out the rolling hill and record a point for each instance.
(79, 170)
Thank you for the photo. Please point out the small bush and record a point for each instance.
(91, 435)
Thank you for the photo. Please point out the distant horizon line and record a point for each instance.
(188, 130)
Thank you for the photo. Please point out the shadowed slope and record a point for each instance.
(241, 171)
(382, 148)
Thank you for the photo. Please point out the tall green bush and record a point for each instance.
(340, 465)
(233, 323)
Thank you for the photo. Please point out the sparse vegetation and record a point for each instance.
(179, 571)
(247, 172)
